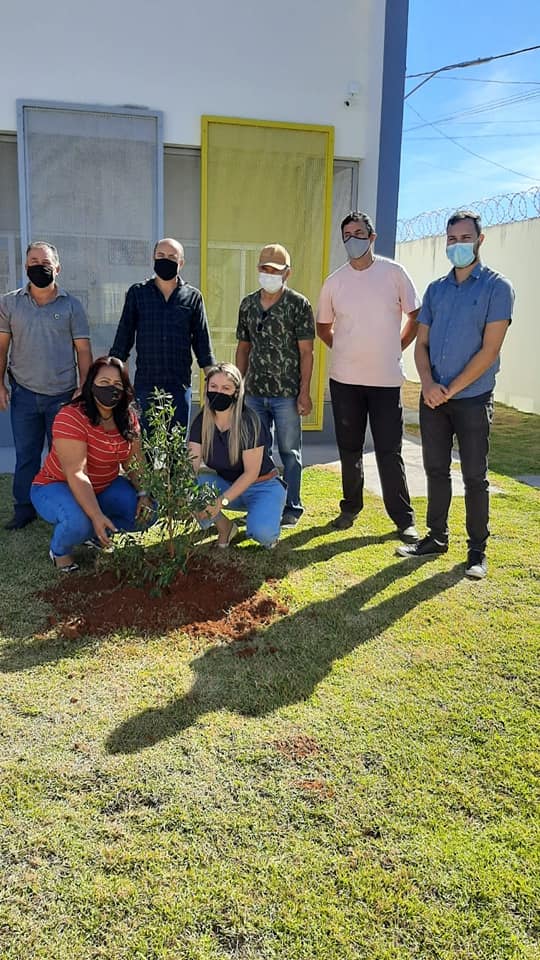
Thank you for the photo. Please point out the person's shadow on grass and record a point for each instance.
(285, 662)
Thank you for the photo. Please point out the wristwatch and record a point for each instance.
(224, 502)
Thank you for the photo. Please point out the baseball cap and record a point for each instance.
(274, 255)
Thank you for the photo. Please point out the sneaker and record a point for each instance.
(270, 546)
(17, 523)
(344, 521)
(289, 519)
(476, 566)
(427, 547)
(408, 534)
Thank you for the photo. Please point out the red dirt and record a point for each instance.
(297, 747)
(318, 788)
(214, 601)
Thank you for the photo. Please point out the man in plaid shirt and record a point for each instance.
(166, 320)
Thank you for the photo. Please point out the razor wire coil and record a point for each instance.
(504, 208)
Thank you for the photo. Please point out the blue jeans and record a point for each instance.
(281, 413)
(55, 503)
(263, 501)
(32, 416)
(181, 399)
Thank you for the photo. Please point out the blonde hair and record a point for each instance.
(245, 423)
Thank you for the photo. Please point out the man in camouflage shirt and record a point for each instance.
(275, 336)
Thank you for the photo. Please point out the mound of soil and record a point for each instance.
(215, 601)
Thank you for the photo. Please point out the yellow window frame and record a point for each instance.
(206, 122)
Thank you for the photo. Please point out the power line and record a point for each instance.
(478, 136)
(466, 63)
(485, 107)
(476, 123)
(505, 83)
(477, 155)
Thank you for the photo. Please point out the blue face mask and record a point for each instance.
(461, 254)
(356, 247)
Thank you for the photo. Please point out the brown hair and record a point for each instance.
(460, 215)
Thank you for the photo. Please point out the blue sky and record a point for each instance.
(436, 172)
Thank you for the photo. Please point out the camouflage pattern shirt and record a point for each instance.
(274, 359)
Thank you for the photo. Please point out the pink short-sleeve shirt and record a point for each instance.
(366, 308)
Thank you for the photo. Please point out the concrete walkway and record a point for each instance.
(325, 455)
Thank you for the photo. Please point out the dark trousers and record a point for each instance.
(352, 404)
(181, 397)
(470, 421)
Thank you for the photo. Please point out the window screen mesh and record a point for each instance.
(264, 184)
(343, 202)
(10, 248)
(91, 188)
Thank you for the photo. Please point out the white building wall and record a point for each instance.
(289, 63)
(511, 250)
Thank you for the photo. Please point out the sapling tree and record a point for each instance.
(166, 473)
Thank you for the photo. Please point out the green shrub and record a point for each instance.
(167, 474)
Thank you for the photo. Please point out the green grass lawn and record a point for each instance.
(364, 786)
(515, 437)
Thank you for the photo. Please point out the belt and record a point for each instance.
(267, 476)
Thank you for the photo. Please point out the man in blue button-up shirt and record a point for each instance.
(462, 325)
(166, 319)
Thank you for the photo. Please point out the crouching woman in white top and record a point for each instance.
(230, 439)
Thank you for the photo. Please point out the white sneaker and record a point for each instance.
(476, 566)
(408, 534)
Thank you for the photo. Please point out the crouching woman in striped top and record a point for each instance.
(79, 488)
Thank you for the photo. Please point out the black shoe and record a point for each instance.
(408, 534)
(427, 547)
(344, 521)
(476, 567)
(289, 519)
(93, 544)
(17, 523)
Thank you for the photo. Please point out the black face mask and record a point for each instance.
(165, 269)
(40, 276)
(109, 396)
(220, 401)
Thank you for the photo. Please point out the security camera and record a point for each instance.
(352, 93)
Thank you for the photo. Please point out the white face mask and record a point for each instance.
(270, 282)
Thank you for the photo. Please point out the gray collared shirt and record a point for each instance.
(42, 356)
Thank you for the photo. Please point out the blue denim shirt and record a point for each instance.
(456, 314)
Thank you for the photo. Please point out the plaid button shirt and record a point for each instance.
(165, 333)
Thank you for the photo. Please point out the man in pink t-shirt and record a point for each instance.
(360, 318)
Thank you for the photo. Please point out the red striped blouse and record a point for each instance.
(105, 450)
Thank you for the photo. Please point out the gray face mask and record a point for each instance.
(356, 247)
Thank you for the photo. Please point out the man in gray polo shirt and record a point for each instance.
(44, 331)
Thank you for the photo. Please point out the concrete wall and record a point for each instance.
(510, 248)
(293, 63)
